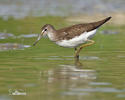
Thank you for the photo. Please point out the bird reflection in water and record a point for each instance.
(64, 78)
(70, 72)
(78, 64)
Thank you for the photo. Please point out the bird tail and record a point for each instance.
(99, 23)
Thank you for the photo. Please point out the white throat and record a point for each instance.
(51, 36)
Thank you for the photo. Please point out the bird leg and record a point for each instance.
(76, 56)
(81, 47)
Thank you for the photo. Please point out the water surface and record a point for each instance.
(61, 78)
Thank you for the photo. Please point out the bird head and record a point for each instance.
(44, 31)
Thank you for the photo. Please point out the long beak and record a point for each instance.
(39, 37)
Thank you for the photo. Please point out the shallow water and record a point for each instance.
(49, 72)
(6, 35)
(51, 79)
(12, 46)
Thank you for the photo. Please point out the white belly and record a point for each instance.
(76, 41)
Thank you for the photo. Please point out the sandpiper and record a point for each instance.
(72, 36)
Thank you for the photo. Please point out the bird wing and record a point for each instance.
(76, 30)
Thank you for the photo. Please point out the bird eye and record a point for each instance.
(45, 30)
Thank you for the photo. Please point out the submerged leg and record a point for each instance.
(82, 46)
(77, 57)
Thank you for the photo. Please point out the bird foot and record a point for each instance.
(77, 57)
